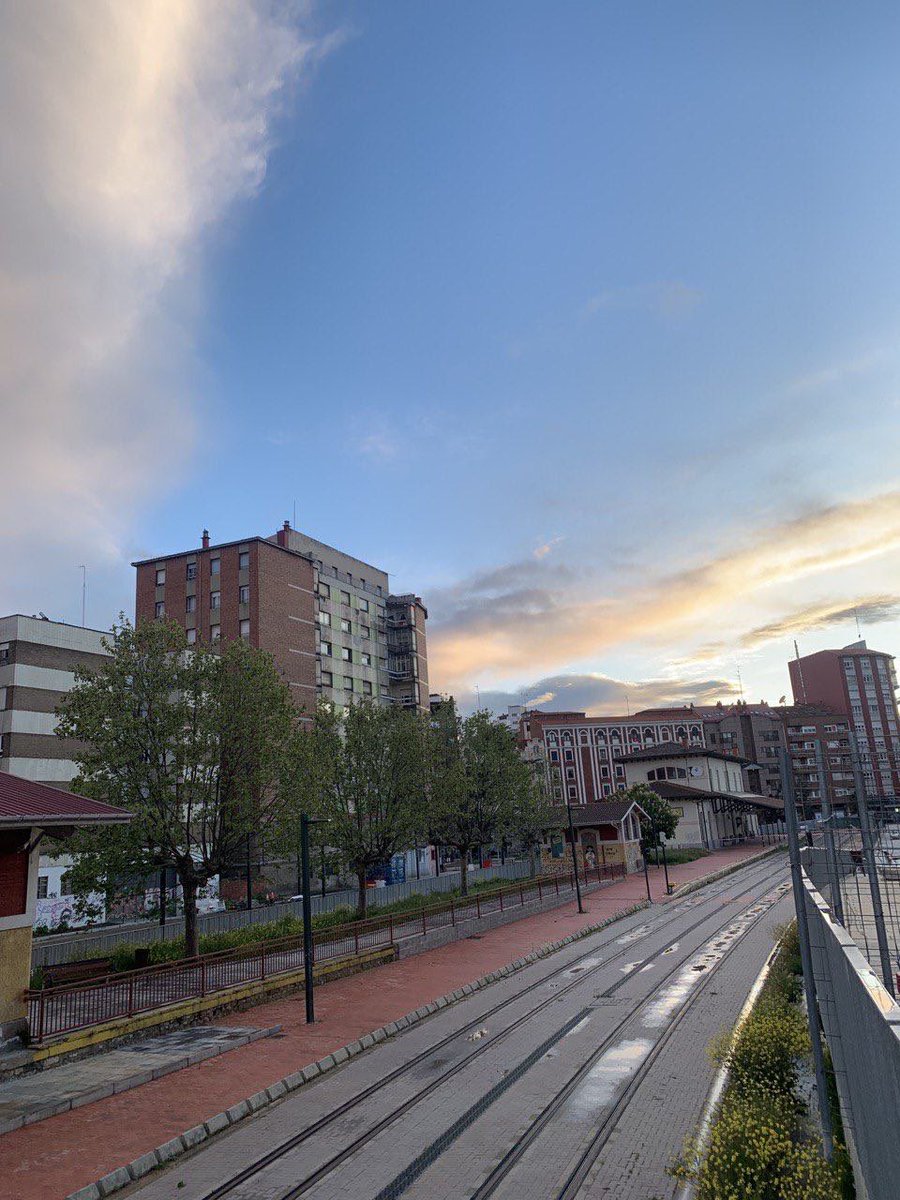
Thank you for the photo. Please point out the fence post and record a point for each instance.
(202, 976)
(356, 939)
(424, 922)
(501, 899)
(540, 892)
(556, 881)
(40, 1035)
(522, 895)
(391, 928)
(452, 912)
(478, 905)
(131, 995)
(262, 962)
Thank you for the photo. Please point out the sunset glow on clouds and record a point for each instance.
(549, 326)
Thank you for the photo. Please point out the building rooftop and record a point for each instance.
(25, 803)
(609, 813)
(668, 790)
(677, 750)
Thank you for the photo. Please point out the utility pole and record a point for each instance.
(163, 898)
(868, 857)
(307, 920)
(809, 985)
(574, 859)
(83, 570)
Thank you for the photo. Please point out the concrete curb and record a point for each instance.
(142, 1166)
(695, 884)
(154, 1159)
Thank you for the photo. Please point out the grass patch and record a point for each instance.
(765, 1144)
(674, 857)
(123, 957)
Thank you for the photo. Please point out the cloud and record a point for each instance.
(544, 549)
(666, 298)
(379, 446)
(130, 130)
(601, 695)
(867, 610)
(519, 617)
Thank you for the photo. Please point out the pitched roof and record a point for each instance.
(677, 750)
(596, 814)
(24, 802)
(668, 790)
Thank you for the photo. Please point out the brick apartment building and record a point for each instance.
(579, 756)
(329, 620)
(860, 684)
(758, 732)
(37, 664)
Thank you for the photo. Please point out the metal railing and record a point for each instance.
(53, 1011)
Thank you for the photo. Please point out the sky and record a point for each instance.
(581, 319)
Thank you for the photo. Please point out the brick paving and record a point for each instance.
(71, 1150)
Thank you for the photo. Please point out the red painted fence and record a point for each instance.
(57, 1010)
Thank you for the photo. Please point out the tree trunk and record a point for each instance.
(191, 934)
(464, 871)
(363, 894)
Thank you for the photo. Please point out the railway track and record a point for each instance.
(749, 882)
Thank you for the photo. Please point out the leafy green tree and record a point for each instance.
(533, 817)
(370, 774)
(476, 779)
(192, 741)
(661, 820)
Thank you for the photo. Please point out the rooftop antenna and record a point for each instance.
(478, 696)
(858, 630)
(740, 681)
(83, 570)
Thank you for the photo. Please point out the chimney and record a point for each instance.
(204, 541)
(282, 535)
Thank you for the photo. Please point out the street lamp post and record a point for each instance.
(574, 859)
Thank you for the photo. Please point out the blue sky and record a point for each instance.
(581, 319)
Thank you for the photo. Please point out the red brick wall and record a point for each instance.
(287, 618)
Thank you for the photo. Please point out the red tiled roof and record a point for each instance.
(23, 802)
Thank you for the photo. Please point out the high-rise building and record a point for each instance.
(329, 620)
(860, 684)
(38, 658)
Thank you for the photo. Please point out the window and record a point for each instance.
(348, 683)
(554, 756)
(43, 881)
(327, 679)
(346, 654)
(367, 688)
(325, 648)
(345, 597)
(4, 652)
(161, 577)
(325, 619)
(364, 631)
(245, 630)
(244, 560)
(366, 660)
(570, 772)
(3, 695)
(324, 590)
(244, 594)
(215, 566)
(573, 792)
(215, 633)
(160, 608)
(345, 626)
(380, 612)
(363, 605)
(191, 571)
(190, 604)
(215, 599)
(191, 636)
(570, 755)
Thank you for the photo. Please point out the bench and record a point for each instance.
(77, 972)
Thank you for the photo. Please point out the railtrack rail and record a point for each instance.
(748, 883)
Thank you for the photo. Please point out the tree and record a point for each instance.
(533, 816)
(192, 741)
(475, 780)
(370, 780)
(661, 819)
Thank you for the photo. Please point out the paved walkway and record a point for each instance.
(53, 1158)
